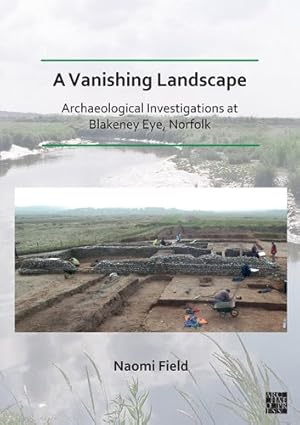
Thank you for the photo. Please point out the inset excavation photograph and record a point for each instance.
(151, 260)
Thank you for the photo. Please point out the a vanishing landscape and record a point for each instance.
(125, 282)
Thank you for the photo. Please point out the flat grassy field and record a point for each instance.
(39, 233)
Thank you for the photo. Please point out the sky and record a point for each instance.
(264, 29)
(216, 199)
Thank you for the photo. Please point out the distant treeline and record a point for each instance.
(149, 211)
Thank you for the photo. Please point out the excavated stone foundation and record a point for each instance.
(186, 264)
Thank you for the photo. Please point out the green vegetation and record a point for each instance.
(39, 233)
(245, 383)
(128, 409)
(14, 414)
(244, 380)
(239, 157)
(294, 181)
(282, 152)
(264, 176)
(15, 418)
(30, 134)
(279, 138)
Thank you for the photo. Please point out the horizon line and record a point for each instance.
(146, 207)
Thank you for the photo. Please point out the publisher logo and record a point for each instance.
(276, 402)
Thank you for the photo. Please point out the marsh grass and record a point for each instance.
(264, 176)
(246, 384)
(14, 418)
(128, 409)
(14, 413)
(294, 183)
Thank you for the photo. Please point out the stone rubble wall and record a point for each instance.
(185, 264)
(196, 252)
(232, 252)
(32, 266)
(247, 253)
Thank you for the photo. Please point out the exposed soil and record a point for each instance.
(171, 319)
(46, 286)
(134, 311)
(80, 311)
(133, 304)
(186, 288)
(90, 302)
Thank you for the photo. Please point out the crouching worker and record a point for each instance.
(245, 270)
(254, 251)
(163, 242)
(222, 296)
(74, 261)
(69, 272)
(156, 242)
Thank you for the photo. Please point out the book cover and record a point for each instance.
(149, 214)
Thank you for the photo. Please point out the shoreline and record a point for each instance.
(17, 152)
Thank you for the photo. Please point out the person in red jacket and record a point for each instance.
(273, 251)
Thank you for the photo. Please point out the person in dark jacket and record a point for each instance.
(245, 270)
(254, 251)
(163, 242)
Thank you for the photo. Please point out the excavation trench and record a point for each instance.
(134, 310)
(136, 288)
(99, 305)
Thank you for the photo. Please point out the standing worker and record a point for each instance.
(273, 251)
(254, 251)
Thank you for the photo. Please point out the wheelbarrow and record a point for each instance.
(226, 307)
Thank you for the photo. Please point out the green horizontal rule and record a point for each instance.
(156, 145)
(149, 60)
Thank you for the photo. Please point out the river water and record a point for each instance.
(109, 167)
(27, 359)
